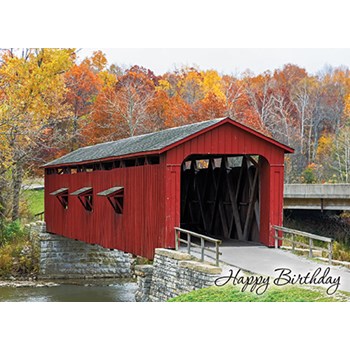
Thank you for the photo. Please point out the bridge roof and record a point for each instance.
(153, 143)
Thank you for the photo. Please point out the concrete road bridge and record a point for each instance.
(317, 197)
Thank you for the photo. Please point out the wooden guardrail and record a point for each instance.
(310, 245)
(39, 216)
(179, 240)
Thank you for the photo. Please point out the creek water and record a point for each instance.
(73, 291)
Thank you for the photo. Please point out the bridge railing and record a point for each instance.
(203, 239)
(39, 216)
(310, 245)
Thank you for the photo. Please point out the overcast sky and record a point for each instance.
(225, 60)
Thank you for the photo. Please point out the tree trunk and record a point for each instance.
(74, 142)
(2, 198)
(17, 178)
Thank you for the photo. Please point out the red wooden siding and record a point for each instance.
(230, 140)
(226, 139)
(138, 230)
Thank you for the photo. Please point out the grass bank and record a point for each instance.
(34, 201)
(18, 255)
(274, 294)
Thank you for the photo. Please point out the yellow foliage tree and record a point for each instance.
(212, 84)
(190, 86)
(32, 91)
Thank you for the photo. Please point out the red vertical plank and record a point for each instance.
(276, 205)
(264, 200)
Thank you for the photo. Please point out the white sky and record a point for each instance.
(190, 24)
(225, 60)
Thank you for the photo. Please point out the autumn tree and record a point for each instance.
(211, 107)
(190, 85)
(341, 154)
(32, 91)
(97, 62)
(168, 103)
(83, 85)
(325, 158)
(171, 111)
(238, 104)
(259, 93)
(234, 96)
(284, 108)
(122, 109)
(212, 84)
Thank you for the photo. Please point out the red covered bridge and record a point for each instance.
(218, 178)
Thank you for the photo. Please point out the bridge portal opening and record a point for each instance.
(220, 196)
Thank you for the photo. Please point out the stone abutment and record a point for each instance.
(61, 257)
(173, 273)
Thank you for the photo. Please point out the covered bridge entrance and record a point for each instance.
(220, 196)
(218, 177)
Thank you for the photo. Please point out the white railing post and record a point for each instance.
(202, 249)
(217, 253)
(276, 238)
(188, 243)
(176, 240)
(330, 255)
(310, 247)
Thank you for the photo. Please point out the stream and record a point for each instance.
(73, 291)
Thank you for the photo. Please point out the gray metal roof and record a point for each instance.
(143, 143)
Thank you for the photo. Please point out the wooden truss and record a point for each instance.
(220, 200)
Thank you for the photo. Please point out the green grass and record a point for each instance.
(35, 201)
(273, 294)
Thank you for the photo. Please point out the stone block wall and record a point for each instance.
(144, 281)
(62, 257)
(173, 273)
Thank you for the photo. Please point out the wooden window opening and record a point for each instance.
(115, 196)
(123, 163)
(153, 160)
(140, 161)
(108, 165)
(85, 196)
(130, 163)
(62, 196)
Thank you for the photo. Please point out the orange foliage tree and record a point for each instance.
(83, 87)
(121, 110)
